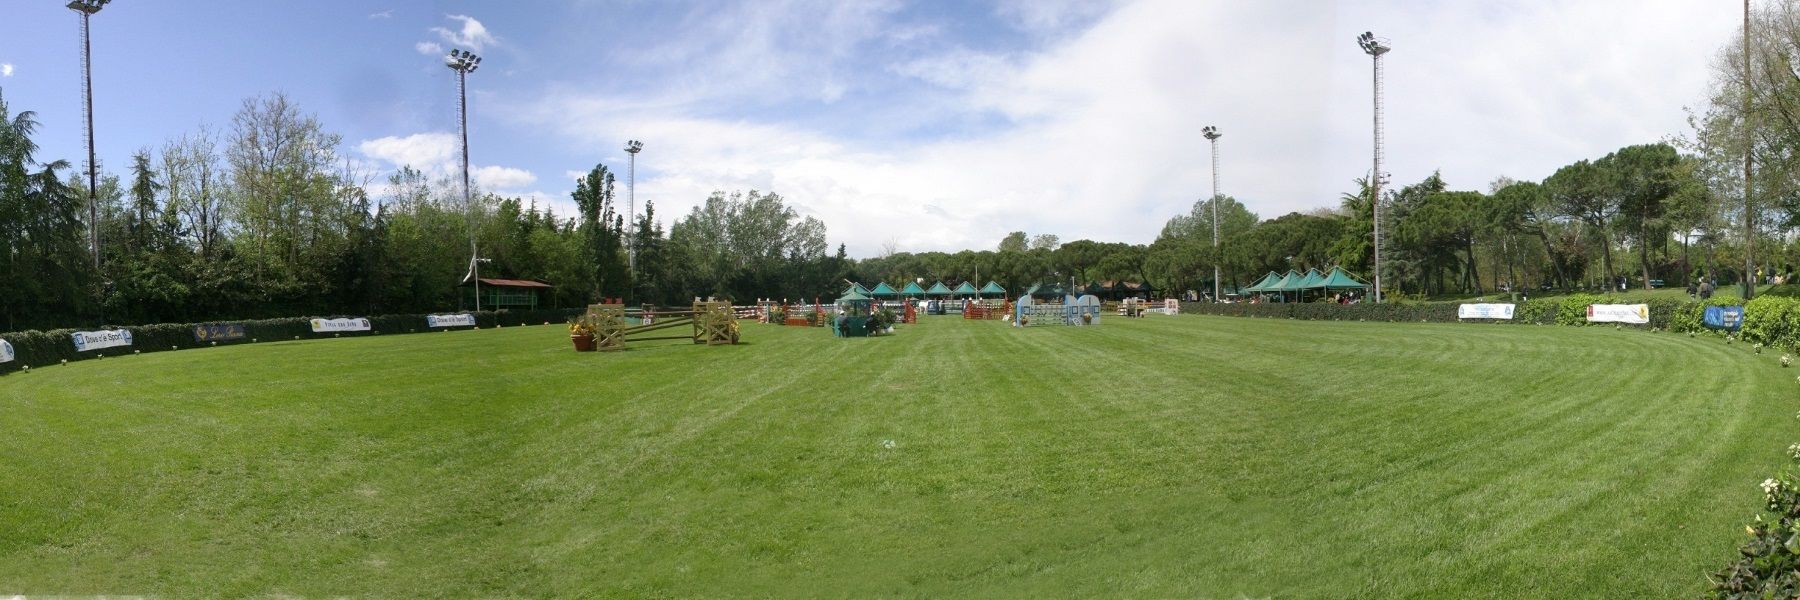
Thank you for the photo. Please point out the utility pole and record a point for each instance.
(1212, 135)
(1376, 47)
(1749, 141)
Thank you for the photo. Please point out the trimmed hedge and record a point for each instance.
(38, 348)
(1775, 320)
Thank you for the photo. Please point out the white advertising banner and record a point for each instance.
(332, 325)
(95, 340)
(1484, 311)
(6, 351)
(463, 320)
(1619, 313)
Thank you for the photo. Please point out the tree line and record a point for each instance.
(266, 218)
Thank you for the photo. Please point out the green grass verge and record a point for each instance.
(1168, 456)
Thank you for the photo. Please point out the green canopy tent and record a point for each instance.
(856, 288)
(1338, 279)
(1135, 288)
(853, 310)
(912, 290)
(1288, 283)
(993, 288)
(1310, 281)
(965, 289)
(1052, 291)
(938, 289)
(1263, 284)
(883, 290)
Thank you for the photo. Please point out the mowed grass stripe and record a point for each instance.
(1189, 456)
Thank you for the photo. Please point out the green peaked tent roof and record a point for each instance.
(1263, 284)
(852, 295)
(1288, 283)
(938, 289)
(1312, 280)
(1338, 279)
(993, 288)
(912, 289)
(857, 288)
(965, 288)
(883, 289)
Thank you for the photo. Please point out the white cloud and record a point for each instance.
(1049, 15)
(1096, 134)
(423, 151)
(429, 48)
(438, 154)
(471, 35)
(6, 69)
(386, 14)
(501, 178)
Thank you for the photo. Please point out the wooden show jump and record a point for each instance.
(712, 323)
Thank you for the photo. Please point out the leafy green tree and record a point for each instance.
(1580, 191)
(1014, 242)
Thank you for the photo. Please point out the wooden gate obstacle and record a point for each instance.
(710, 323)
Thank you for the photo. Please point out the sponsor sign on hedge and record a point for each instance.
(6, 351)
(1484, 311)
(218, 332)
(335, 325)
(95, 340)
(1728, 318)
(462, 320)
(1618, 313)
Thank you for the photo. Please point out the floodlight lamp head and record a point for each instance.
(87, 6)
(634, 146)
(1372, 45)
(1211, 133)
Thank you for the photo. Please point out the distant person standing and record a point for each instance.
(1706, 290)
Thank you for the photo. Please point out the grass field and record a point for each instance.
(1168, 456)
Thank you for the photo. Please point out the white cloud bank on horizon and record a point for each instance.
(437, 154)
(1098, 133)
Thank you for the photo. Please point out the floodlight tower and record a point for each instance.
(1212, 135)
(633, 147)
(464, 63)
(87, 8)
(1376, 47)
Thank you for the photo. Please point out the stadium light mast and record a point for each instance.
(464, 63)
(1375, 47)
(87, 8)
(1212, 135)
(633, 147)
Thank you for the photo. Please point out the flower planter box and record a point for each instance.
(583, 343)
(796, 322)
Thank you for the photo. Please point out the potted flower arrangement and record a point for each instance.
(581, 332)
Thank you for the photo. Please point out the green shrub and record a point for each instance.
(39, 348)
(1768, 565)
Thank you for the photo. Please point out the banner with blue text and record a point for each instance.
(95, 340)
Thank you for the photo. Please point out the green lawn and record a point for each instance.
(1167, 456)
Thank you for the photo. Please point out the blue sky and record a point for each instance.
(915, 125)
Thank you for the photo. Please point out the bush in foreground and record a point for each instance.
(1769, 563)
